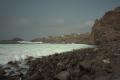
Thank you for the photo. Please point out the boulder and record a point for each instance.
(64, 75)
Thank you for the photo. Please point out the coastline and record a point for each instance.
(85, 64)
(100, 63)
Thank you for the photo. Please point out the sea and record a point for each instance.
(13, 52)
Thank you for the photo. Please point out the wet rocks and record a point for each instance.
(82, 64)
(13, 71)
(2, 73)
(35, 76)
(64, 75)
(85, 64)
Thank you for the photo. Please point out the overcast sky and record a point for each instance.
(30, 19)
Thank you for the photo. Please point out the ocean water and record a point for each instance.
(12, 52)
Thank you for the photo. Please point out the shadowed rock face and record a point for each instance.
(107, 29)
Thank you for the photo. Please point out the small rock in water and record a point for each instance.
(2, 72)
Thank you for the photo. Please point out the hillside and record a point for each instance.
(107, 29)
(71, 38)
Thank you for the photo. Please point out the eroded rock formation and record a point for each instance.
(107, 29)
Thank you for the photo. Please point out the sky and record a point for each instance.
(31, 19)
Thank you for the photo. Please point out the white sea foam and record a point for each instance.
(11, 52)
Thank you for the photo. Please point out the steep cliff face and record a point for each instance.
(107, 29)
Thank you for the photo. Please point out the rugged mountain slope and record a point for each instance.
(107, 29)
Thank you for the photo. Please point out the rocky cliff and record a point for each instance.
(107, 29)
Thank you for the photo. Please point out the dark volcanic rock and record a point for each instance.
(17, 39)
(101, 63)
(64, 75)
(107, 29)
(86, 64)
(2, 73)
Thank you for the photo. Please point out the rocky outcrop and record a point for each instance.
(8, 42)
(12, 41)
(107, 29)
(17, 39)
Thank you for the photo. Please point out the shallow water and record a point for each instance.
(11, 52)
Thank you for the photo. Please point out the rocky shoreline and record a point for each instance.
(100, 63)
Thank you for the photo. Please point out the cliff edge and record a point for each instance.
(107, 29)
